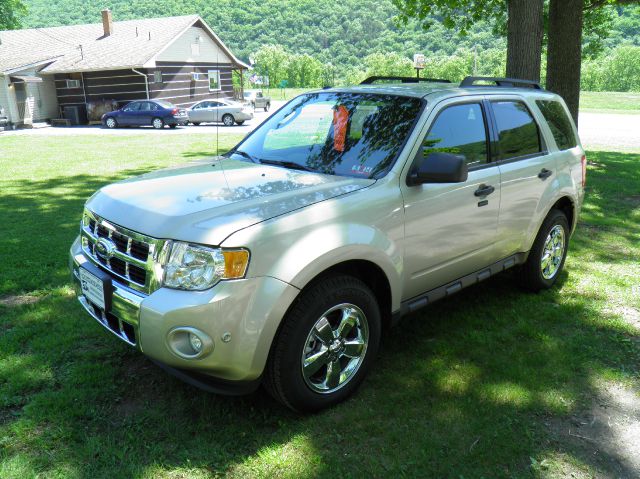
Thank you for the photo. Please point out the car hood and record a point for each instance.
(208, 201)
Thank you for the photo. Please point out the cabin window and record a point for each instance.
(214, 80)
(157, 76)
(73, 83)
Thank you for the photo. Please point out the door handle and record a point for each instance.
(484, 190)
(544, 174)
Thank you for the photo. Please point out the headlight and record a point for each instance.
(195, 267)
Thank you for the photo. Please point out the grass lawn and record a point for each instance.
(489, 384)
(610, 102)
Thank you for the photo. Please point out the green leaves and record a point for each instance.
(11, 13)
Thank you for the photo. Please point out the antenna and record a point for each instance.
(220, 161)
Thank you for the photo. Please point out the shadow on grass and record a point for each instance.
(464, 388)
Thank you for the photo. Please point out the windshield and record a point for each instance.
(349, 134)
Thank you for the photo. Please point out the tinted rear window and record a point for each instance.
(517, 130)
(559, 123)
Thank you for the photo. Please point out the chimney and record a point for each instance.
(107, 22)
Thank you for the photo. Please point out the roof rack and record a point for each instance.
(501, 82)
(374, 79)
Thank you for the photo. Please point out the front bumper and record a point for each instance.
(246, 313)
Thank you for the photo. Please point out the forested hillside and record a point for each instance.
(343, 40)
(340, 31)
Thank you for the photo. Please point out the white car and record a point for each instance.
(227, 112)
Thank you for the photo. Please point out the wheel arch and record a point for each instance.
(370, 274)
(564, 203)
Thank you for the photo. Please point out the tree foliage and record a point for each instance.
(312, 43)
(11, 14)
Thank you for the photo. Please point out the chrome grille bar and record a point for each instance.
(135, 258)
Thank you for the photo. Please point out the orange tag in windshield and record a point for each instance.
(340, 120)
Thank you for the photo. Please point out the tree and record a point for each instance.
(524, 19)
(11, 12)
(567, 19)
(271, 61)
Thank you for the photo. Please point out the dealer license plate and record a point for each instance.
(92, 287)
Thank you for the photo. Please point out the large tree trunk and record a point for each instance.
(524, 39)
(564, 53)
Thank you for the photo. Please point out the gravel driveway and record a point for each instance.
(610, 131)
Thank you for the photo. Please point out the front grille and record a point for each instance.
(133, 257)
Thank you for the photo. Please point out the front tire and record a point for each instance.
(326, 345)
(111, 123)
(228, 120)
(548, 254)
(157, 123)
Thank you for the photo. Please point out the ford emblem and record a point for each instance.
(105, 248)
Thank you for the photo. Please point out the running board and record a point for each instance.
(422, 300)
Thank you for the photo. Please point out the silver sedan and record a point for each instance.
(227, 112)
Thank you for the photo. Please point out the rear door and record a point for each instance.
(147, 112)
(450, 228)
(527, 172)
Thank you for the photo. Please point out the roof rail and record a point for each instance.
(501, 82)
(374, 79)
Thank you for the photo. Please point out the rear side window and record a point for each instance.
(518, 132)
(559, 123)
(459, 129)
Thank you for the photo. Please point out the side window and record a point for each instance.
(145, 106)
(135, 106)
(157, 76)
(459, 129)
(518, 132)
(559, 123)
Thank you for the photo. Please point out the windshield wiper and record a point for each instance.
(287, 164)
(244, 154)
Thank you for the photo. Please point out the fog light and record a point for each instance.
(189, 343)
(196, 342)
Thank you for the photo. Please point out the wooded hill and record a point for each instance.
(341, 32)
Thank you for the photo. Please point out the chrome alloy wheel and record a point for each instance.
(111, 123)
(552, 252)
(335, 348)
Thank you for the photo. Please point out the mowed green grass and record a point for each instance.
(467, 388)
(610, 102)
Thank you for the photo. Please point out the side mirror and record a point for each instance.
(438, 168)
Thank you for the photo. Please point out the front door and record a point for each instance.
(21, 101)
(450, 228)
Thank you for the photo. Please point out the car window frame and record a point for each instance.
(497, 158)
(124, 108)
(487, 133)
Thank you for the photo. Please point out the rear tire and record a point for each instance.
(327, 344)
(267, 106)
(228, 120)
(548, 254)
(157, 123)
(172, 126)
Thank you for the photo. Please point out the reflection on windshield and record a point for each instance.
(350, 134)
